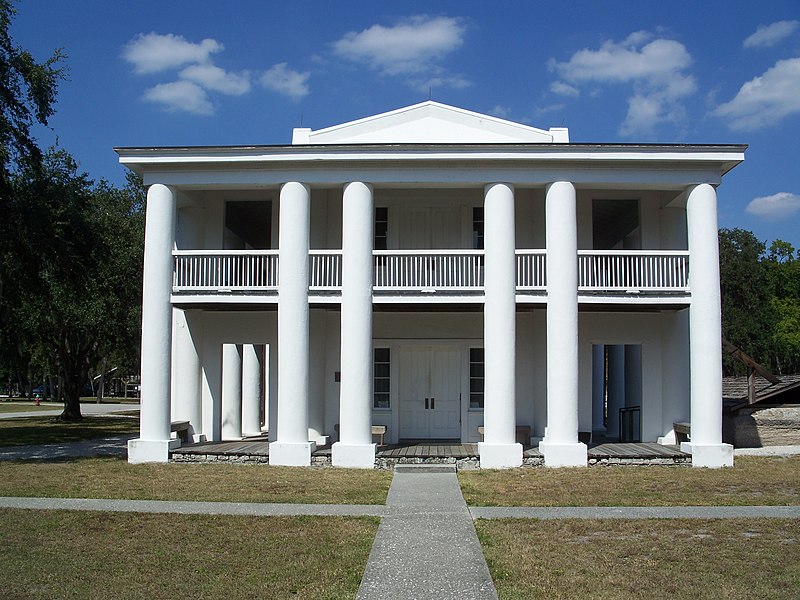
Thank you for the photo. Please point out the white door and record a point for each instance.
(429, 228)
(430, 393)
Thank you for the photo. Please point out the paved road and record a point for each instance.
(89, 409)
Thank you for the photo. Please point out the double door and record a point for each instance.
(430, 392)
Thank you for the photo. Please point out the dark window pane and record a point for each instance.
(381, 385)
(476, 370)
(476, 355)
(381, 355)
(381, 400)
(382, 370)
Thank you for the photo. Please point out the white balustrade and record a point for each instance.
(405, 270)
(325, 270)
(633, 270)
(428, 270)
(531, 270)
(251, 270)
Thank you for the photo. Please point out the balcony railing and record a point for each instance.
(633, 271)
(325, 270)
(425, 271)
(428, 270)
(225, 270)
(531, 270)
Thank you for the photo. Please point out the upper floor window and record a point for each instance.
(477, 228)
(381, 227)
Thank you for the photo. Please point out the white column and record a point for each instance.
(251, 389)
(292, 446)
(355, 447)
(598, 389)
(187, 375)
(705, 331)
(616, 387)
(499, 448)
(153, 442)
(231, 392)
(561, 447)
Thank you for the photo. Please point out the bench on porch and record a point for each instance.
(683, 431)
(523, 434)
(181, 428)
(378, 432)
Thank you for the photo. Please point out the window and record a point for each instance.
(381, 378)
(381, 227)
(477, 228)
(476, 378)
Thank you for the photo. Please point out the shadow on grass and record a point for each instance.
(27, 431)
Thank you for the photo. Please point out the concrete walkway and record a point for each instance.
(426, 546)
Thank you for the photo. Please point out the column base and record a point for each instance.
(148, 451)
(353, 456)
(289, 454)
(713, 456)
(564, 455)
(500, 456)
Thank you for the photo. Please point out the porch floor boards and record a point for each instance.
(260, 447)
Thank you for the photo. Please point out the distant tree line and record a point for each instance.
(760, 301)
(70, 248)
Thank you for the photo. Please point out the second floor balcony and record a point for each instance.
(458, 275)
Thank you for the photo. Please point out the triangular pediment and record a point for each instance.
(430, 123)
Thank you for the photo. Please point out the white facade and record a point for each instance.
(435, 271)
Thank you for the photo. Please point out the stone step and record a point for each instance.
(424, 468)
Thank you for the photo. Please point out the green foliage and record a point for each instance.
(79, 298)
(760, 301)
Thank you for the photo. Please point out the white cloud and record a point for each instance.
(153, 52)
(180, 96)
(766, 99)
(500, 111)
(216, 79)
(435, 83)
(280, 78)
(656, 68)
(769, 35)
(412, 46)
(775, 207)
(564, 89)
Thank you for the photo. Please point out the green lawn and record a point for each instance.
(19, 406)
(115, 478)
(88, 555)
(752, 481)
(620, 559)
(27, 431)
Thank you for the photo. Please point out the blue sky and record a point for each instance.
(201, 72)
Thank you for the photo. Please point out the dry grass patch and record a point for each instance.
(26, 431)
(618, 559)
(64, 554)
(752, 481)
(115, 478)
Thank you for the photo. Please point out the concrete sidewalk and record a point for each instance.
(426, 546)
(635, 512)
(197, 508)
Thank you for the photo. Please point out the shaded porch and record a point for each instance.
(256, 450)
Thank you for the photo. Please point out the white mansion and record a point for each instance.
(434, 271)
